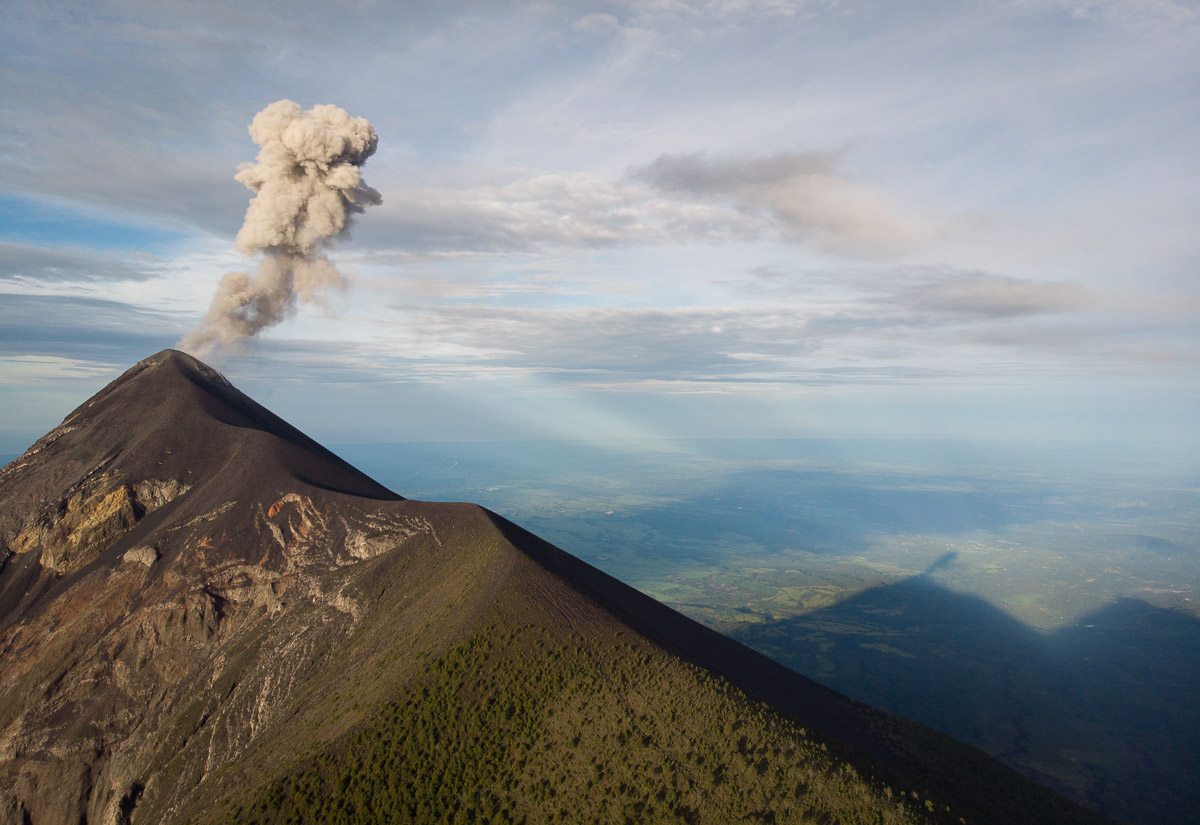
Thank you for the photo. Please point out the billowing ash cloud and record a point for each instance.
(307, 185)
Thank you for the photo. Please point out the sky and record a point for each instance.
(628, 219)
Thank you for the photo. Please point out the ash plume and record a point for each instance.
(307, 186)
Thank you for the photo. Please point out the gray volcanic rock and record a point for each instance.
(166, 425)
(164, 518)
(195, 598)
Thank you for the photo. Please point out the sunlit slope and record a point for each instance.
(209, 618)
(521, 686)
(500, 691)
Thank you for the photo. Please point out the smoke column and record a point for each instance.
(307, 185)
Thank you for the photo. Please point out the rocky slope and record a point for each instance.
(206, 617)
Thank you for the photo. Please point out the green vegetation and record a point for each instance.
(537, 726)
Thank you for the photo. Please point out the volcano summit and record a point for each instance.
(207, 617)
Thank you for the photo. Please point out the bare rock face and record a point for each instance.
(97, 512)
(149, 547)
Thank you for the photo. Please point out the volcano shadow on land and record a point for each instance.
(1104, 710)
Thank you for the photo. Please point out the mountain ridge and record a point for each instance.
(196, 598)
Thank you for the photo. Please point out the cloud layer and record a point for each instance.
(800, 193)
(675, 199)
(691, 196)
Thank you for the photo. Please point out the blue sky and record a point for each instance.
(630, 219)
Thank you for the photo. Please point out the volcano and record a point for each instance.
(207, 617)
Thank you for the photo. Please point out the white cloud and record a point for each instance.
(1178, 13)
(768, 8)
(903, 324)
(28, 265)
(597, 23)
(651, 10)
(996, 296)
(797, 198)
(20, 370)
(801, 192)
